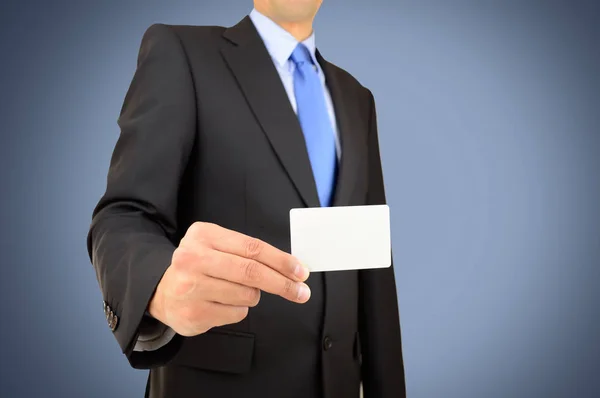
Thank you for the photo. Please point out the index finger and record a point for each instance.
(233, 242)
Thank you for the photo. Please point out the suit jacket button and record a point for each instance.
(113, 321)
(327, 343)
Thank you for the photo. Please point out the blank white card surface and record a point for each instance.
(341, 238)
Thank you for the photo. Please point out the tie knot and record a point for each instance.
(301, 55)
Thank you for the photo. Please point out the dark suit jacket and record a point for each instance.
(208, 134)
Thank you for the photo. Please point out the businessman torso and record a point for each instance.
(229, 150)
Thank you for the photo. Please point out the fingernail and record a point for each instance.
(301, 272)
(303, 292)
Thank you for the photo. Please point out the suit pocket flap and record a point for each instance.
(217, 350)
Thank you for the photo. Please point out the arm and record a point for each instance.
(134, 227)
(379, 324)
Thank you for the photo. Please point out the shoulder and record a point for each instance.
(184, 31)
(183, 36)
(352, 86)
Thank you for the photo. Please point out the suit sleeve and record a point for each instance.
(379, 324)
(132, 236)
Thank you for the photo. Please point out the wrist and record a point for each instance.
(155, 307)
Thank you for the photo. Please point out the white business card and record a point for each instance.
(341, 238)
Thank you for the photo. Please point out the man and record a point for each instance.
(223, 131)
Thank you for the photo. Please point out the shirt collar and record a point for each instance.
(279, 42)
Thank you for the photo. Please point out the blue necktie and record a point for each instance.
(315, 122)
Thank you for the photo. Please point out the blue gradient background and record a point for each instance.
(489, 117)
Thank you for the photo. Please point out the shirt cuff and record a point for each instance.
(153, 335)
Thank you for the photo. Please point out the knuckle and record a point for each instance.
(199, 229)
(195, 229)
(253, 247)
(179, 261)
(289, 288)
(183, 273)
(240, 314)
(181, 256)
(251, 296)
(251, 271)
(185, 258)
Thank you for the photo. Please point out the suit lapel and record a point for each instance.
(351, 132)
(253, 68)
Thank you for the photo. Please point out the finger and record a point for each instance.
(254, 274)
(236, 243)
(228, 293)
